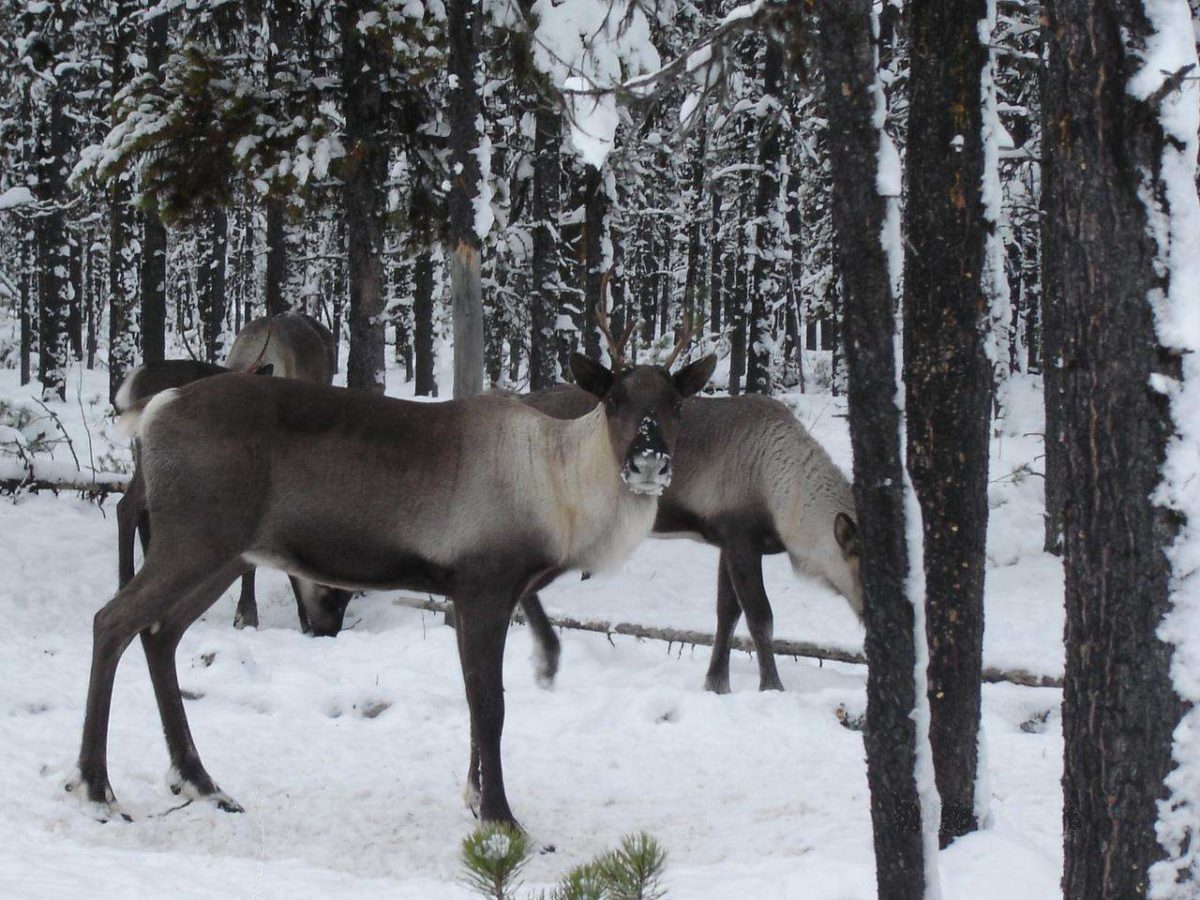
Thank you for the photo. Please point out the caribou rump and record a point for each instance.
(484, 500)
(289, 345)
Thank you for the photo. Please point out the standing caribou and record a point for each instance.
(750, 480)
(483, 500)
(289, 345)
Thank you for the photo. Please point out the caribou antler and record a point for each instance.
(684, 339)
(616, 349)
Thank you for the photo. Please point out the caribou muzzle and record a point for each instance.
(647, 468)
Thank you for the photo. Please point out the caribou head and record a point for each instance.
(643, 406)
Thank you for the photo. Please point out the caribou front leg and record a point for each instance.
(247, 607)
(482, 626)
(728, 613)
(745, 571)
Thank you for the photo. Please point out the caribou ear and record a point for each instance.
(590, 375)
(692, 378)
(846, 533)
(268, 369)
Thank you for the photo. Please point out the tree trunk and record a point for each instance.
(545, 302)
(362, 71)
(210, 282)
(283, 21)
(28, 302)
(845, 54)
(122, 223)
(423, 324)
(153, 280)
(78, 292)
(1119, 707)
(735, 306)
(53, 242)
(463, 26)
(597, 263)
(764, 282)
(948, 378)
(716, 263)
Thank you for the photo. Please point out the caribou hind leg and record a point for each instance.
(247, 607)
(131, 520)
(546, 646)
(745, 571)
(728, 613)
(188, 775)
(482, 627)
(140, 605)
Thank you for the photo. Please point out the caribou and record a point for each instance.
(483, 500)
(289, 345)
(749, 480)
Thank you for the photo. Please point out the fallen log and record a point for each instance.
(795, 649)
(84, 485)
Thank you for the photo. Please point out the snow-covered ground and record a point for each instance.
(349, 754)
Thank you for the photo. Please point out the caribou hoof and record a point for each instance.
(245, 621)
(771, 685)
(718, 684)
(208, 793)
(100, 805)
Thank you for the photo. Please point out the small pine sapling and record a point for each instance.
(634, 870)
(492, 858)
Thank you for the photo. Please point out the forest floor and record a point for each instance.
(349, 754)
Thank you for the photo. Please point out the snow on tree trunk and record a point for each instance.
(948, 378)
(1113, 207)
(362, 71)
(153, 280)
(1168, 187)
(544, 297)
(210, 282)
(765, 283)
(905, 862)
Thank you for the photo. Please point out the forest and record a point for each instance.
(958, 242)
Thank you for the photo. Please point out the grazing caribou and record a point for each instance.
(290, 345)
(750, 480)
(483, 500)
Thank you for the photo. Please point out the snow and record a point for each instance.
(14, 197)
(350, 754)
(593, 121)
(1175, 225)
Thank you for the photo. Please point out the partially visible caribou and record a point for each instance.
(288, 345)
(750, 480)
(485, 500)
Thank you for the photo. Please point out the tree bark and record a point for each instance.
(210, 282)
(362, 71)
(948, 378)
(764, 282)
(283, 21)
(153, 280)
(122, 223)
(423, 324)
(597, 266)
(545, 302)
(1119, 707)
(463, 24)
(845, 53)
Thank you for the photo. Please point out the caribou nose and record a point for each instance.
(651, 465)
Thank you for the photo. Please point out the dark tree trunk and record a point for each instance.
(666, 284)
(716, 264)
(52, 241)
(693, 282)
(1119, 707)
(283, 18)
(596, 268)
(948, 379)
(362, 73)
(764, 285)
(464, 19)
(545, 302)
(650, 275)
(845, 54)
(423, 324)
(735, 307)
(210, 282)
(122, 223)
(28, 303)
(95, 277)
(153, 280)
(78, 292)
